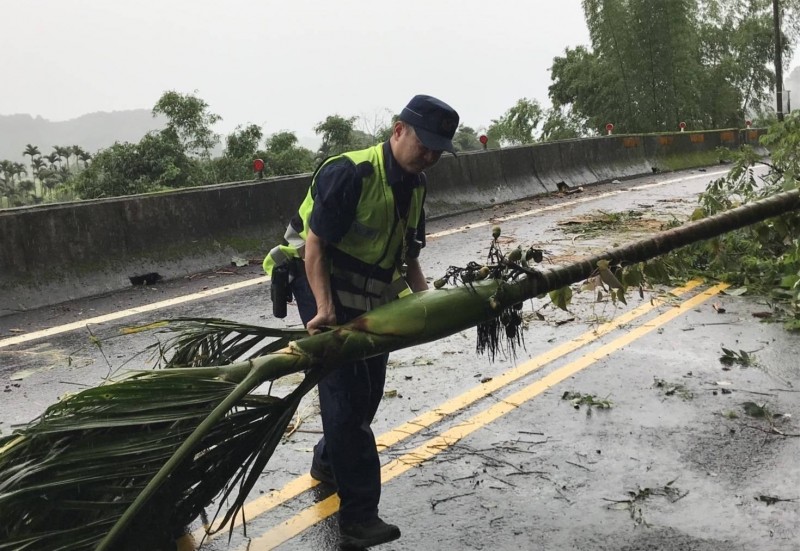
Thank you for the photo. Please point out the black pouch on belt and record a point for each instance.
(279, 290)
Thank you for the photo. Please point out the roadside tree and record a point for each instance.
(466, 139)
(241, 147)
(189, 120)
(654, 64)
(284, 157)
(63, 152)
(337, 134)
(157, 162)
(518, 125)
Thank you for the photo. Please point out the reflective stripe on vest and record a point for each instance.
(369, 285)
(365, 303)
(295, 240)
(282, 254)
(278, 256)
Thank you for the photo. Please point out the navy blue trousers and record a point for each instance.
(348, 397)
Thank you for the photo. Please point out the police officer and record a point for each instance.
(354, 245)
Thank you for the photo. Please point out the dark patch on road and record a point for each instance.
(732, 452)
(669, 539)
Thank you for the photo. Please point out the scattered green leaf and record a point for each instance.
(590, 400)
(730, 357)
(757, 411)
(561, 297)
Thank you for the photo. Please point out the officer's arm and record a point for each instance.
(319, 281)
(416, 241)
(414, 275)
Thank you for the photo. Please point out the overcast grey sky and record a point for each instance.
(284, 65)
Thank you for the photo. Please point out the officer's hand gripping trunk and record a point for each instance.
(280, 292)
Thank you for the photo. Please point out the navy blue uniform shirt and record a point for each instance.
(338, 189)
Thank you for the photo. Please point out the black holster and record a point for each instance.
(280, 290)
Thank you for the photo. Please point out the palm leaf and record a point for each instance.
(200, 342)
(88, 457)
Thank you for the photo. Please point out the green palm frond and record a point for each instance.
(200, 342)
(86, 459)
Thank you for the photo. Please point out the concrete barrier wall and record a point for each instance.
(53, 253)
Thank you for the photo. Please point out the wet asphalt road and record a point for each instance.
(490, 455)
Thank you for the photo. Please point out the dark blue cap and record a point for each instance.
(435, 122)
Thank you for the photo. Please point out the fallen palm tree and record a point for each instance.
(128, 464)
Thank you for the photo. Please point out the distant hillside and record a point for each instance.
(91, 132)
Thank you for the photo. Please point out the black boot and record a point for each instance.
(322, 473)
(366, 534)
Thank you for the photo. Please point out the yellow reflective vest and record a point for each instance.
(366, 264)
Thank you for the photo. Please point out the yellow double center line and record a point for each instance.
(318, 512)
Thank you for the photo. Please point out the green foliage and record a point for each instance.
(339, 135)
(284, 157)
(63, 152)
(764, 257)
(157, 162)
(31, 151)
(281, 141)
(577, 399)
(601, 222)
(12, 185)
(759, 411)
(731, 357)
(241, 148)
(518, 125)
(161, 160)
(783, 141)
(561, 123)
(581, 82)
(561, 298)
(6, 178)
(655, 64)
(611, 282)
(189, 120)
(242, 143)
(165, 159)
(466, 139)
